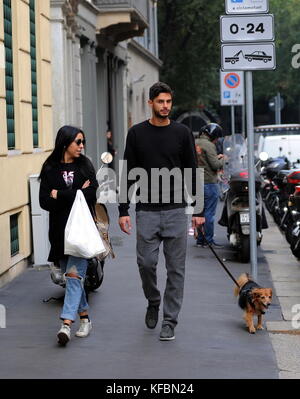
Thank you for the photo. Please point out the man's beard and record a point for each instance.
(158, 115)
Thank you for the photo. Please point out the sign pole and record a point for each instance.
(251, 173)
(232, 120)
(278, 109)
(247, 49)
(243, 121)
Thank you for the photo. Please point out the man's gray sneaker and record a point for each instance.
(167, 333)
(151, 316)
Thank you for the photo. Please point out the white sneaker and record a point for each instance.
(64, 334)
(84, 329)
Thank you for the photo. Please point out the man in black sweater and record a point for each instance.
(156, 149)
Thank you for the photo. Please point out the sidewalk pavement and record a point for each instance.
(285, 273)
(212, 341)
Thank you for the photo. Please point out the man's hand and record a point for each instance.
(197, 221)
(125, 224)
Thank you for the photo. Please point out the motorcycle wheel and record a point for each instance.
(244, 252)
(270, 204)
(289, 233)
(296, 252)
(277, 217)
(273, 204)
(295, 246)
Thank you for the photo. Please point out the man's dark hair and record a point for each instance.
(158, 88)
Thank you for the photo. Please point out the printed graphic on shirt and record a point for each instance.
(68, 177)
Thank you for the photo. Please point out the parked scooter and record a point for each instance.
(94, 273)
(283, 210)
(280, 198)
(295, 227)
(270, 168)
(236, 211)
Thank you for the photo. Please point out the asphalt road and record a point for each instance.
(211, 338)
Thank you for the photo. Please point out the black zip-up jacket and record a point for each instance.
(59, 209)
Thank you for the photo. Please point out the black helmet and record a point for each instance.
(213, 130)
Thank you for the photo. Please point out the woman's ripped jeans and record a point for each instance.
(75, 298)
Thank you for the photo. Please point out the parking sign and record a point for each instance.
(232, 88)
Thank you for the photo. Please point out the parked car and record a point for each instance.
(274, 130)
(280, 146)
(281, 129)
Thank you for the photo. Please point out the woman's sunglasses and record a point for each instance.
(79, 141)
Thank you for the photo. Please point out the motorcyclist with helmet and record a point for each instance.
(211, 162)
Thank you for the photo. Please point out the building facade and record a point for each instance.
(143, 67)
(96, 60)
(26, 122)
(88, 63)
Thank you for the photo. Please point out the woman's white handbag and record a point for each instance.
(82, 238)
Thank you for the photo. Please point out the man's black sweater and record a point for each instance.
(152, 148)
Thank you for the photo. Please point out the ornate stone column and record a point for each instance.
(70, 10)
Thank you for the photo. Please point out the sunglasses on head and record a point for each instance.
(79, 141)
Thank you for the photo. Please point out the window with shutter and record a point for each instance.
(14, 234)
(33, 75)
(9, 74)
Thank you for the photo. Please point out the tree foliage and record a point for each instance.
(189, 42)
(285, 79)
(190, 49)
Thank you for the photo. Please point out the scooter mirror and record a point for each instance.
(106, 157)
(263, 156)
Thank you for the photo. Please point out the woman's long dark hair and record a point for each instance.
(65, 136)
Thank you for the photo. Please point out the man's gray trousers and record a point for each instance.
(169, 227)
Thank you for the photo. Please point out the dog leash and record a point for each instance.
(218, 258)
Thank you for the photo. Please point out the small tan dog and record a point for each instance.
(253, 299)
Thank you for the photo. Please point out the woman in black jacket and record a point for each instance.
(65, 171)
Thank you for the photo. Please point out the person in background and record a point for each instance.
(110, 146)
(211, 162)
(65, 171)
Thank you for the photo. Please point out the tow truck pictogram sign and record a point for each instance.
(245, 57)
